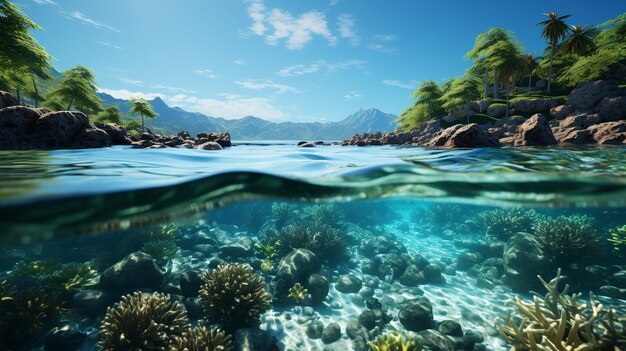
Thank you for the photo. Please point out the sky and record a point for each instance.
(284, 60)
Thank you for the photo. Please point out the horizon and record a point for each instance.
(281, 61)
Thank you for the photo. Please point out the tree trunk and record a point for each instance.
(70, 104)
(36, 92)
(143, 127)
(19, 96)
(508, 91)
(550, 69)
(496, 94)
(467, 113)
(486, 79)
(530, 79)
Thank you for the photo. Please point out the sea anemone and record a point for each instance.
(395, 341)
(233, 296)
(502, 223)
(202, 339)
(143, 322)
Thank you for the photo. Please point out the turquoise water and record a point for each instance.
(406, 226)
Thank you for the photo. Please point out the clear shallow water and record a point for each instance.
(94, 207)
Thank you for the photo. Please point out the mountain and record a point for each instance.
(172, 120)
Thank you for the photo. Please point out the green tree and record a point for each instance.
(532, 63)
(111, 114)
(20, 54)
(133, 127)
(579, 41)
(425, 107)
(460, 93)
(480, 53)
(76, 88)
(507, 59)
(554, 29)
(142, 108)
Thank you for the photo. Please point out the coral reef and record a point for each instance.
(34, 268)
(395, 341)
(558, 321)
(297, 292)
(328, 214)
(438, 215)
(202, 338)
(282, 212)
(233, 296)
(143, 322)
(567, 240)
(158, 242)
(268, 248)
(323, 240)
(502, 223)
(162, 251)
(72, 277)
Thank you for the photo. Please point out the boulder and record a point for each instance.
(118, 134)
(190, 283)
(242, 247)
(440, 138)
(58, 129)
(436, 341)
(91, 138)
(136, 271)
(561, 111)
(612, 108)
(348, 283)
(7, 100)
(354, 329)
(572, 136)
(210, 145)
(314, 330)
(417, 315)
(496, 110)
(317, 285)
(609, 132)
(535, 131)
(296, 267)
(17, 124)
(91, 302)
(252, 339)
(331, 333)
(523, 259)
(580, 121)
(587, 95)
(471, 136)
(532, 106)
(450, 328)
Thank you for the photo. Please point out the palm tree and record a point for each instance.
(142, 108)
(532, 63)
(77, 89)
(507, 59)
(461, 91)
(554, 29)
(579, 41)
(482, 47)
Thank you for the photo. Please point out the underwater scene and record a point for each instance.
(327, 248)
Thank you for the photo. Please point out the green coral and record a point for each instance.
(558, 321)
(143, 322)
(162, 251)
(618, 237)
(34, 268)
(283, 212)
(202, 338)
(323, 240)
(567, 240)
(268, 248)
(297, 292)
(72, 277)
(502, 223)
(395, 341)
(233, 296)
(325, 214)
(158, 242)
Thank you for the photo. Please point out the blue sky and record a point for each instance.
(298, 60)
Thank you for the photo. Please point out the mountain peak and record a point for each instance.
(157, 101)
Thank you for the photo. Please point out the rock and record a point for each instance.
(535, 131)
(432, 275)
(609, 132)
(360, 344)
(523, 261)
(348, 284)
(190, 283)
(210, 145)
(136, 271)
(380, 245)
(314, 330)
(242, 247)
(194, 308)
(367, 319)
(91, 138)
(332, 333)
(470, 136)
(58, 129)
(117, 134)
(373, 303)
(416, 315)
(468, 259)
(436, 341)
(91, 302)
(318, 288)
(496, 110)
(252, 339)
(354, 329)
(306, 145)
(532, 106)
(296, 267)
(580, 121)
(612, 108)
(450, 328)
(412, 276)
(561, 111)
(587, 95)
(64, 338)
(441, 137)
(17, 124)
(573, 136)
(147, 136)
(7, 100)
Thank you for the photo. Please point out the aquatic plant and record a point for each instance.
(566, 240)
(438, 215)
(142, 322)
(395, 341)
(328, 214)
(233, 296)
(34, 268)
(24, 313)
(502, 223)
(158, 242)
(618, 237)
(558, 321)
(268, 248)
(282, 212)
(267, 266)
(72, 277)
(297, 292)
(323, 240)
(202, 338)
(162, 251)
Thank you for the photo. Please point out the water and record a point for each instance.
(413, 228)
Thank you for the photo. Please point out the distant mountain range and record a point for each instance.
(172, 120)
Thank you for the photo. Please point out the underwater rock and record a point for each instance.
(64, 338)
(190, 282)
(296, 267)
(436, 341)
(535, 131)
(252, 339)
(91, 302)
(417, 315)
(241, 247)
(412, 276)
(450, 328)
(367, 319)
(360, 344)
(432, 275)
(331, 333)
(194, 307)
(348, 284)
(318, 288)
(136, 271)
(373, 303)
(468, 259)
(523, 261)
(354, 329)
(314, 330)
(381, 245)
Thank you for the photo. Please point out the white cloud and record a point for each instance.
(171, 89)
(137, 83)
(107, 44)
(379, 42)
(334, 2)
(346, 29)
(295, 31)
(398, 84)
(240, 62)
(230, 106)
(82, 18)
(46, 2)
(353, 95)
(264, 85)
(320, 65)
(206, 73)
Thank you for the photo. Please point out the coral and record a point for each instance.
(233, 296)
(143, 322)
(24, 313)
(268, 248)
(566, 240)
(618, 237)
(34, 268)
(558, 321)
(267, 266)
(282, 212)
(158, 242)
(297, 293)
(439, 216)
(328, 214)
(395, 341)
(323, 240)
(202, 339)
(502, 223)
(162, 251)
(72, 277)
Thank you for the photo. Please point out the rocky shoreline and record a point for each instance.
(28, 128)
(593, 113)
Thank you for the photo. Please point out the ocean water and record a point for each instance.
(383, 239)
